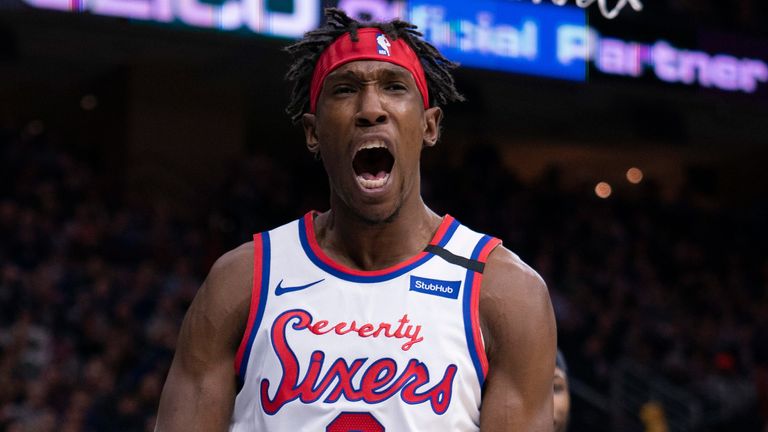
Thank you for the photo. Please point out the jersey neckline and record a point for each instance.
(445, 230)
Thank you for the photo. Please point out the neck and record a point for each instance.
(356, 243)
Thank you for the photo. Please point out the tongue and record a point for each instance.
(368, 176)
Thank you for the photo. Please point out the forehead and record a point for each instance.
(365, 70)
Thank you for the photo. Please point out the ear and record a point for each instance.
(308, 121)
(432, 118)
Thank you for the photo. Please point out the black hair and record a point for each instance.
(306, 52)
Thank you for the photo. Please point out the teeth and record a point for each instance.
(373, 184)
(373, 145)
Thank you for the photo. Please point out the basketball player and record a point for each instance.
(377, 314)
(562, 401)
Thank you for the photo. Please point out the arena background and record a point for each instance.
(134, 152)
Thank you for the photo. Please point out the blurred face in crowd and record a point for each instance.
(369, 128)
(562, 400)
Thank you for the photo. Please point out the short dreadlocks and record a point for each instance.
(307, 51)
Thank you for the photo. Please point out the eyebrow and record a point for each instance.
(384, 73)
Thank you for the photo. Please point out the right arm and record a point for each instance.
(199, 392)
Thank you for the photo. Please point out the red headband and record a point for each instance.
(372, 44)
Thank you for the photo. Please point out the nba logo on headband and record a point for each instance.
(344, 50)
(383, 44)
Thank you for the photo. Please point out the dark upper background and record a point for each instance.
(133, 154)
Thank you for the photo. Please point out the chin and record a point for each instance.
(371, 216)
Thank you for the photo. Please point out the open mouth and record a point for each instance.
(373, 164)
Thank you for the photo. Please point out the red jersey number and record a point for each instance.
(355, 422)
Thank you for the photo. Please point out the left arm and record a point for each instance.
(518, 326)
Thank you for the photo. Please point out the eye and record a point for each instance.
(396, 86)
(343, 89)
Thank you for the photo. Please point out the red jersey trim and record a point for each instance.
(258, 297)
(477, 281)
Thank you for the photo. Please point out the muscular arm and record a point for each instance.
(199, 392)
(519, 330)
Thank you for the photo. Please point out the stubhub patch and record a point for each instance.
(447, 289)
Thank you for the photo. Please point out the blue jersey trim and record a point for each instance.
(449, 233)
(362, 278)
(468, 289)
(263, 294)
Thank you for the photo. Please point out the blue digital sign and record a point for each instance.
(513, 37)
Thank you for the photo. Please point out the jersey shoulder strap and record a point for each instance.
(464, 249)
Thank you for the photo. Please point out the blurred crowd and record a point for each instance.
(93, 288)
(677, 286)
(91, 294)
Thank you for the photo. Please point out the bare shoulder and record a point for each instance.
(202, 373)
(518, 326)
(233, 270)
(513, 296)
(507, 277)
(224, 298)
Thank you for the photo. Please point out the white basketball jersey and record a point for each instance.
(329, 348)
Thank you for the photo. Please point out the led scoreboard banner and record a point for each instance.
(535, 38)
(514, 37)
(253, 15)
(667, 63)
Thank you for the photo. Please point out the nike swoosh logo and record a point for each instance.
(280, 289)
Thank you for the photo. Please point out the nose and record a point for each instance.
(370, 111)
